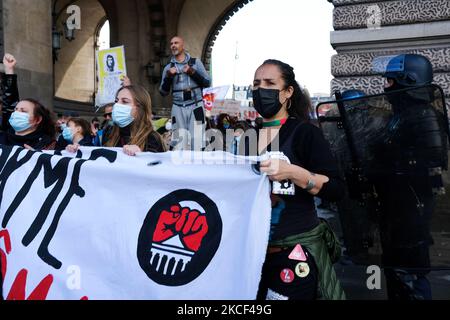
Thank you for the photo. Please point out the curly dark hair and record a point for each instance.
(47, 125)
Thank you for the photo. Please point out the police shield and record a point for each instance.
(392, 151)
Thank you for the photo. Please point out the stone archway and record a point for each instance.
(75, 68)
(215, 30)
(200, 22)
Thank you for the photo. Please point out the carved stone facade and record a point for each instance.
(354, 15)
(374, 84)
(367, 29)
(351, 64)
(1, 28)
(407, 26)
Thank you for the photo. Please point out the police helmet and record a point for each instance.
(410, 70)
(355, 98)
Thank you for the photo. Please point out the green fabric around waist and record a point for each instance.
(326, 250)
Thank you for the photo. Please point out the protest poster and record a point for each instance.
(111, 67)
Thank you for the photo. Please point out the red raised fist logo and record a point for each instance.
(179, 237)
(189, 224)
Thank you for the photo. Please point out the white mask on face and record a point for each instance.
(122, 115)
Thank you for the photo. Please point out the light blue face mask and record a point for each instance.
(20, 121)
(122, 115)
(68, 134)
(63, 126)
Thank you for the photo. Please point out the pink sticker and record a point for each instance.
(298, 254)
(287, 276)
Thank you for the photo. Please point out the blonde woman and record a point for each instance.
(132, 116)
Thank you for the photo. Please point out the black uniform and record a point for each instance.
(411, 156)
(414, 143)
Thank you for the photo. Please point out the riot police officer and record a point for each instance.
(352, 216)
(350, 126)
(409, 161)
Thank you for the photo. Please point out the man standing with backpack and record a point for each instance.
(185, 77)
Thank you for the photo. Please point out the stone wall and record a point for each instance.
(75, 69)
(413, 26)
(352, 14)
(27, 35)
(408, 26)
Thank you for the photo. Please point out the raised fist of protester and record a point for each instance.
(172, 72)
(10, 63)
(191, 225)
(131, 150)
(189, 70)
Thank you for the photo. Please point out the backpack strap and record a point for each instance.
(192, 62)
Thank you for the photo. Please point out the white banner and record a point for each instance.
(109, 226)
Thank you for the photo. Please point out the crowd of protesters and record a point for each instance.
(130, 124)
(29, 124)
(136, 128)
(285, 126)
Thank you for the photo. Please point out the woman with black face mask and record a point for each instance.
(302, 248)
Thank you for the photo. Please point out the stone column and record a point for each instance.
(27, 28)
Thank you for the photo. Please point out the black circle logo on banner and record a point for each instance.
(179, 238)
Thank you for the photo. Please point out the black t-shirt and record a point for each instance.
(37, 140)
(154, 141)
(305, 146)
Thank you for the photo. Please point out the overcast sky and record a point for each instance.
(294, 31)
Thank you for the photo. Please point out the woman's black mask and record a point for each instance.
(267, 102)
